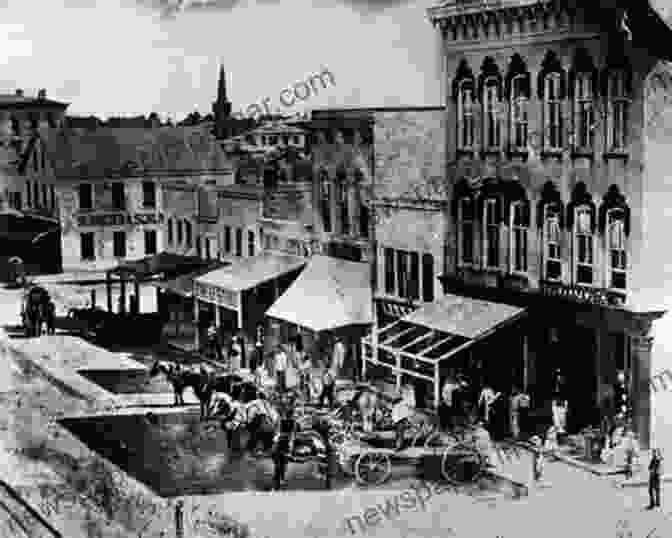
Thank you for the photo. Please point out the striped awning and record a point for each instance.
(395, 310)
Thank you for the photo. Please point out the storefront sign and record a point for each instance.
(216, 295)
(120, 219)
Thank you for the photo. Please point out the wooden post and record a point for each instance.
(179, 519)
(437, 388)
(525, 364)
(197, 336)
(398, 372)
(137, 294)
(122, 295)
(108, 287)
(93, 298)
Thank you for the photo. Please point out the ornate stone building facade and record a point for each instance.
(554, 177)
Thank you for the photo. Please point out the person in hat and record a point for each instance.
(281, 368)
(537, 459)
(328, 388)
(338, 357)
(283, 447)
(655, 472)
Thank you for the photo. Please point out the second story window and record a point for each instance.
(465, 229)
(388, 255)
(85, 196)
(617, 249)
(118, 198)
(180, 232)
(552, 243)
(491, 233)
(520, 222)
(250, 243)
(491, 123)
(227, 239)
(170, 231)
(466, 121)
(584, 252)
(552, 111)
(342, 189)
(519, 101)
(148, 194)
(325, 200)
(187, 233)
(583, 111)
(617, 111)
(427, 278)
(239, 241)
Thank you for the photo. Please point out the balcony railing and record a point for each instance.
(582, 294)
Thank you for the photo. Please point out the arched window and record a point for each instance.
(584, 251)
(180, 232)
(466, 218)
(583, 81)
(618, 104)
(342, 200)
(325, 200)
(250, 243)
(239, 242)
(491, 224)
(518, 98)
(227, 239)
(551, 88)
(187, 233)
(491, 123)
(616, 238)
(364, 215)
(465, 115)
(520, 224)
(170, 231)
(552, 241)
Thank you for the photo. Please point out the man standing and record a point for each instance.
(338, 358)
(281, 369)
(258, 357)
(655, 470)
(283, 448)
(446, 407)
(328, 388)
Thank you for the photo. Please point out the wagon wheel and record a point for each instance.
(347, 462)
(461, 464)
(373, 468)
(438, 440)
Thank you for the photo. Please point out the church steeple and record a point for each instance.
(221, 108)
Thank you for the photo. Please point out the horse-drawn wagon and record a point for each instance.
(34, 310)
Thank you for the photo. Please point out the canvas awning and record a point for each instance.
(464, 316)
(183, 285)
(247, 273)
(163, 263)
(330, 293)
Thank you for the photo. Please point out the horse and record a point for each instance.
(181, 379)
(231, 384)
(258, 418)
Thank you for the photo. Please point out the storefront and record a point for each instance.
(479, 338)
(235, 297)
(331, 299)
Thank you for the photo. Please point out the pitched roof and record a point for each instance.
(13, 100)
(132, 151)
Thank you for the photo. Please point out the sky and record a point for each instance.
(131, 57)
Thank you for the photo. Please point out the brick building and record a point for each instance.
(555, 192)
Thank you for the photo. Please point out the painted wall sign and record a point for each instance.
(216, 295)
(120, 219)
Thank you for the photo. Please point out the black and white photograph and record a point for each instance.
(335, 268)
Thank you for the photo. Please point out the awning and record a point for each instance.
(184, 285)
(463, 316)
(247, 273)
(162, 263)
(329, 294)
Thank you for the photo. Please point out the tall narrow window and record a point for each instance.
(45, 195)
(402, 274)
(519, 101)
(150, 242)
(364, 218)
(29, 196)
(519, 231)
(389, 271)
(53, 196)
(85, 196)
(325, 201)
(617, 114)
(239, 241)
(617, 249)
(180, 232)
(414, 276)
(87, 249)
(583, 245)
(36, 194)
(552, 243)
(187, 233)
(148, 194)
(227, 239)
(427, 278)
(491, 234)
(343, 206)
(170, 231)
(465, 115)
(119, 244)
(552, 111)
(250, 243)
(583, 111)
(466, 230)
(118, 200)
(491, 123)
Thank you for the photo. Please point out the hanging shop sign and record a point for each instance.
(120, 219)
(216, 295)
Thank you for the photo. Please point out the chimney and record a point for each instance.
(42, 94)
(19, 93)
